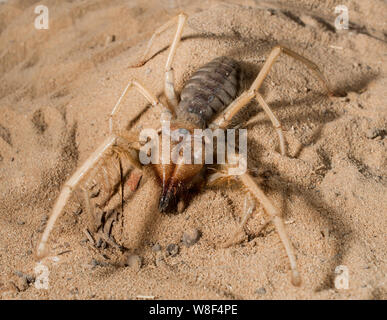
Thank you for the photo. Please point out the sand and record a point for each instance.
(59, 85)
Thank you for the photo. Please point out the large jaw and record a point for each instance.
(176, 176)
(168, 198)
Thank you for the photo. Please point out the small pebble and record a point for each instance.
(54, 259)
(156, 248)
(172, 249)
(190, 237)
(28, 278)
(94, 263)
(74, 291)
(159, 261)
(260, 291)
(375, 132)
(99, 243)
(110, 39)
(95, 192)
(134, 261)
(78, 211)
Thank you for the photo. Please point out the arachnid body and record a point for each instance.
(208, 100)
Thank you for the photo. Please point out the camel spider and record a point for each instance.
(208, 100)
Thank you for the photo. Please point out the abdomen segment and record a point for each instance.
(210, 89)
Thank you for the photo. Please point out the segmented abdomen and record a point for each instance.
(210, 89)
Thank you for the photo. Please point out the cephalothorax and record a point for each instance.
(208, 100)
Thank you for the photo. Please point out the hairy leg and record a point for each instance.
(72, 183)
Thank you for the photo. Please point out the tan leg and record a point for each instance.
(276, 124)
(224, 118)
(145, 92)
(274, 213)
(169, 75)
(269, 208)
(274, 56)
(71, 184)
(238, 235)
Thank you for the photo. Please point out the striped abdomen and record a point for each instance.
(210, 89)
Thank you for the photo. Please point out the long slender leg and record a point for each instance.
(70, 185)
(145, 92)
(274, 213)
(225, 117)
(271, 210)
(67, 190)
(238, 235)
(169, 85)
(274, 56)
(169, 74)
(276, 124)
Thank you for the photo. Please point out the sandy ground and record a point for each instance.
(58, 86)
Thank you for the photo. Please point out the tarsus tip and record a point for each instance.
(41, 251)
(296, 278)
